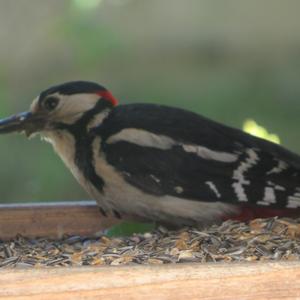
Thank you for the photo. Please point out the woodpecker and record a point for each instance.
(160, 163)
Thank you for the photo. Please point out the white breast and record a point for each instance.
(64, 145)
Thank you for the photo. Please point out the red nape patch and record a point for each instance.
(108, 96)
(247, 213)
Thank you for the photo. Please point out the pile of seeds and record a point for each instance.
(261, 239)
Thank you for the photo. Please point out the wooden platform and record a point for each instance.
(259, 281)
(230, 281)
(52, 219)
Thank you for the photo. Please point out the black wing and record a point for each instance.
(269, 174)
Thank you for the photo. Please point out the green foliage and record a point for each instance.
(129, 228)
(86, 4)
(137, 50)
(250, 126)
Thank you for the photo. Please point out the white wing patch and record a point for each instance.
(178, 189)
(98, 119)
(279, 168)
(269, 197)
(294, 201)
(277, 187)
(238, 174)
(213, 187)
(157, 180)
(148, 139)
(210, 154)
(142, 138)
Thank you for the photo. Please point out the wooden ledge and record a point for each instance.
(51, 220)
(259, 281)
(230, 281)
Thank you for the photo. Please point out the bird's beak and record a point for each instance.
(24, 122)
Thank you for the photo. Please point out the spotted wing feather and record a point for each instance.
(263, 174)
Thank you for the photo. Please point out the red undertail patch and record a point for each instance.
(248, 213)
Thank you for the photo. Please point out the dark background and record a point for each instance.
(228, 60)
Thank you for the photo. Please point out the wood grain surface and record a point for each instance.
(230, 281)
(51, 219)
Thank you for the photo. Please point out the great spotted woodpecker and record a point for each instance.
(161, 163)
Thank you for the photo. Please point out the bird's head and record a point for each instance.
(62, 105)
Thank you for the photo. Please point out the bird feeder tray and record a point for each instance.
(56, 226)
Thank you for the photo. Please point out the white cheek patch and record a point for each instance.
(72, 107)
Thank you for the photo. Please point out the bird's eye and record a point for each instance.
(50, 103)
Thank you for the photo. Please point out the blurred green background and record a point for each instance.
(228, 60)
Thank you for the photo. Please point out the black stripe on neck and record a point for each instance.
(80, 126)
(84, 158)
